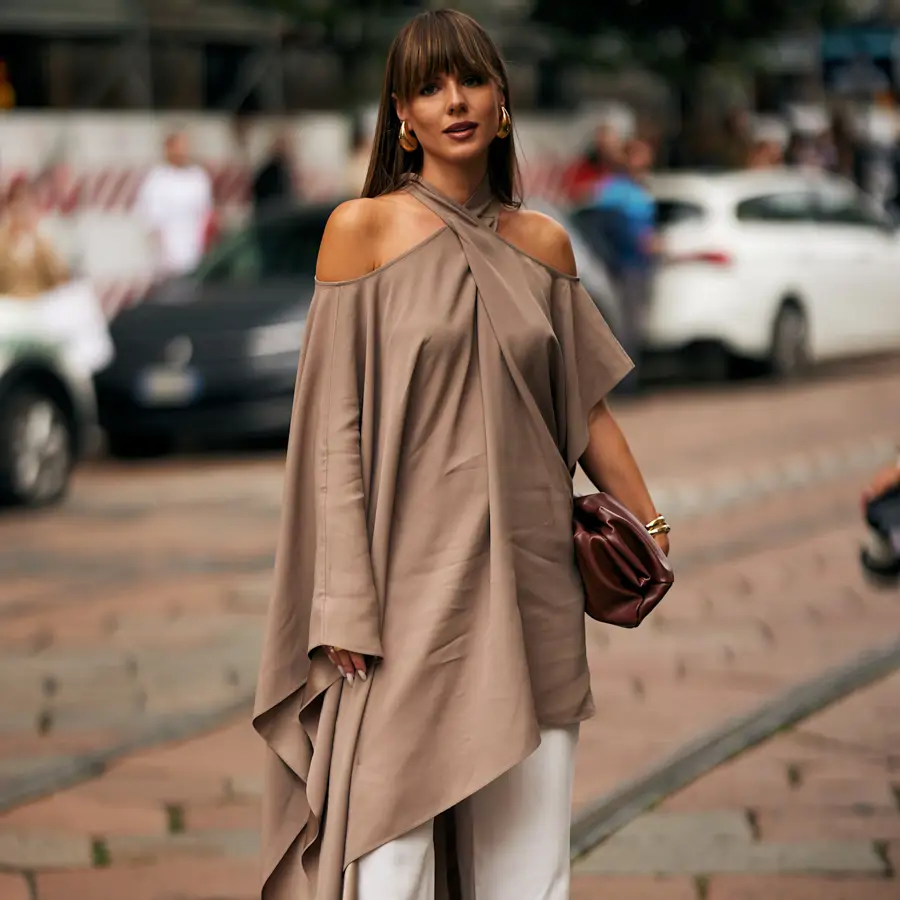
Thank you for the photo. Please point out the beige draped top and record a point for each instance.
(441, 405)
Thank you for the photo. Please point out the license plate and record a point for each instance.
(168, 387)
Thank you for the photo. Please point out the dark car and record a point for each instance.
(213, 355)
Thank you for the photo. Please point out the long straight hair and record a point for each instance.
(438, 42)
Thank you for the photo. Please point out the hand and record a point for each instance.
(886, 479)
(662, 541)
(350, 665)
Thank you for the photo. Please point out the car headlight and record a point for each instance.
(271, 340)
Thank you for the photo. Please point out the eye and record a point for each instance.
(429, 89)
(472, 80)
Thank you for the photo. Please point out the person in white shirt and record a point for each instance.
(176, 203)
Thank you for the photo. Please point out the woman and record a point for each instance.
(28, 265)
(425, 670)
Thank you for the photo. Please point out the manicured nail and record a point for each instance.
(349, 677)
(362, 675)
(343, 671)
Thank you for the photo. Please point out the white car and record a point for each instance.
(785, 267)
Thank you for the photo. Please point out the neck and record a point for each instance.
(458, 182)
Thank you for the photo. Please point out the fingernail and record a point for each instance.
(362, 675)
(349, 677)
(343, 671)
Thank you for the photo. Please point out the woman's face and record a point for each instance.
(454, 117)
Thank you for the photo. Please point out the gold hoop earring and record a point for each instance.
(505, 124)
(407, 140)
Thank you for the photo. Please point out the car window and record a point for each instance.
(783, 206)
(674, 212)
(282, 248)
(844, 207)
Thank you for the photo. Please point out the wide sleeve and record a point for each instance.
(593, 363)
(323, 592)
(345, 611)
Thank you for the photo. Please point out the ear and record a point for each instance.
(400, 108)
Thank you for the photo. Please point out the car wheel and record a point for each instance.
(709, 363)
(36, 448)
(129, 445)
(789, 356)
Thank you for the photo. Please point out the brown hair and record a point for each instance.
(433, 43)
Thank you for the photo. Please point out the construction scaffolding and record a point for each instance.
(143, 54)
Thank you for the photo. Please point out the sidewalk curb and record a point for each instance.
(611, 812)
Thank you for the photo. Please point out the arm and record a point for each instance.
(55, 271)
(347, 252)
(608, 460)
(611, 466)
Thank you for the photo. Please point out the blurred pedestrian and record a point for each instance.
(885, 480)
(737, 141)
(29, 266)
(880, 554)
(848, 150)
(425, 669)
(805, 150)
(176, 204)
(766, 153)
(7, 91)
(273, 183)
(631, 235)
(602, 158)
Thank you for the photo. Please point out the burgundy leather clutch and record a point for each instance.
(625, 573)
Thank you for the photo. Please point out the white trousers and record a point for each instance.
(519, 836)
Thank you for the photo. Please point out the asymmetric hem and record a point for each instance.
(441, 404)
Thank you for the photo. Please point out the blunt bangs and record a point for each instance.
(441, 44)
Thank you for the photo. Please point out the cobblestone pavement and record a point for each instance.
(130, 623)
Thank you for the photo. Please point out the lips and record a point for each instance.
(461, 129)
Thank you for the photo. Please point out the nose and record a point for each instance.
(456, 98)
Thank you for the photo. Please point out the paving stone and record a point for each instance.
(184, 879)
(742, 887)
(244, 816)
(705, 826)
(828, 822)
(137, 782)
(224, 843)
(14, 887)
(35, 849)
(698, 852)
(84, 810)
(246, 787)
(617, 887)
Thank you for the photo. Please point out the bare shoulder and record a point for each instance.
(348, 248)
(539, 236)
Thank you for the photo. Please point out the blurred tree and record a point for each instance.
(680, 43)
(351, 29)
(677, 40)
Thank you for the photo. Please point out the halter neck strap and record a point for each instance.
(481, 209)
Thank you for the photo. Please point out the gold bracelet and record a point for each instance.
(659, 520)
(664, 528)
